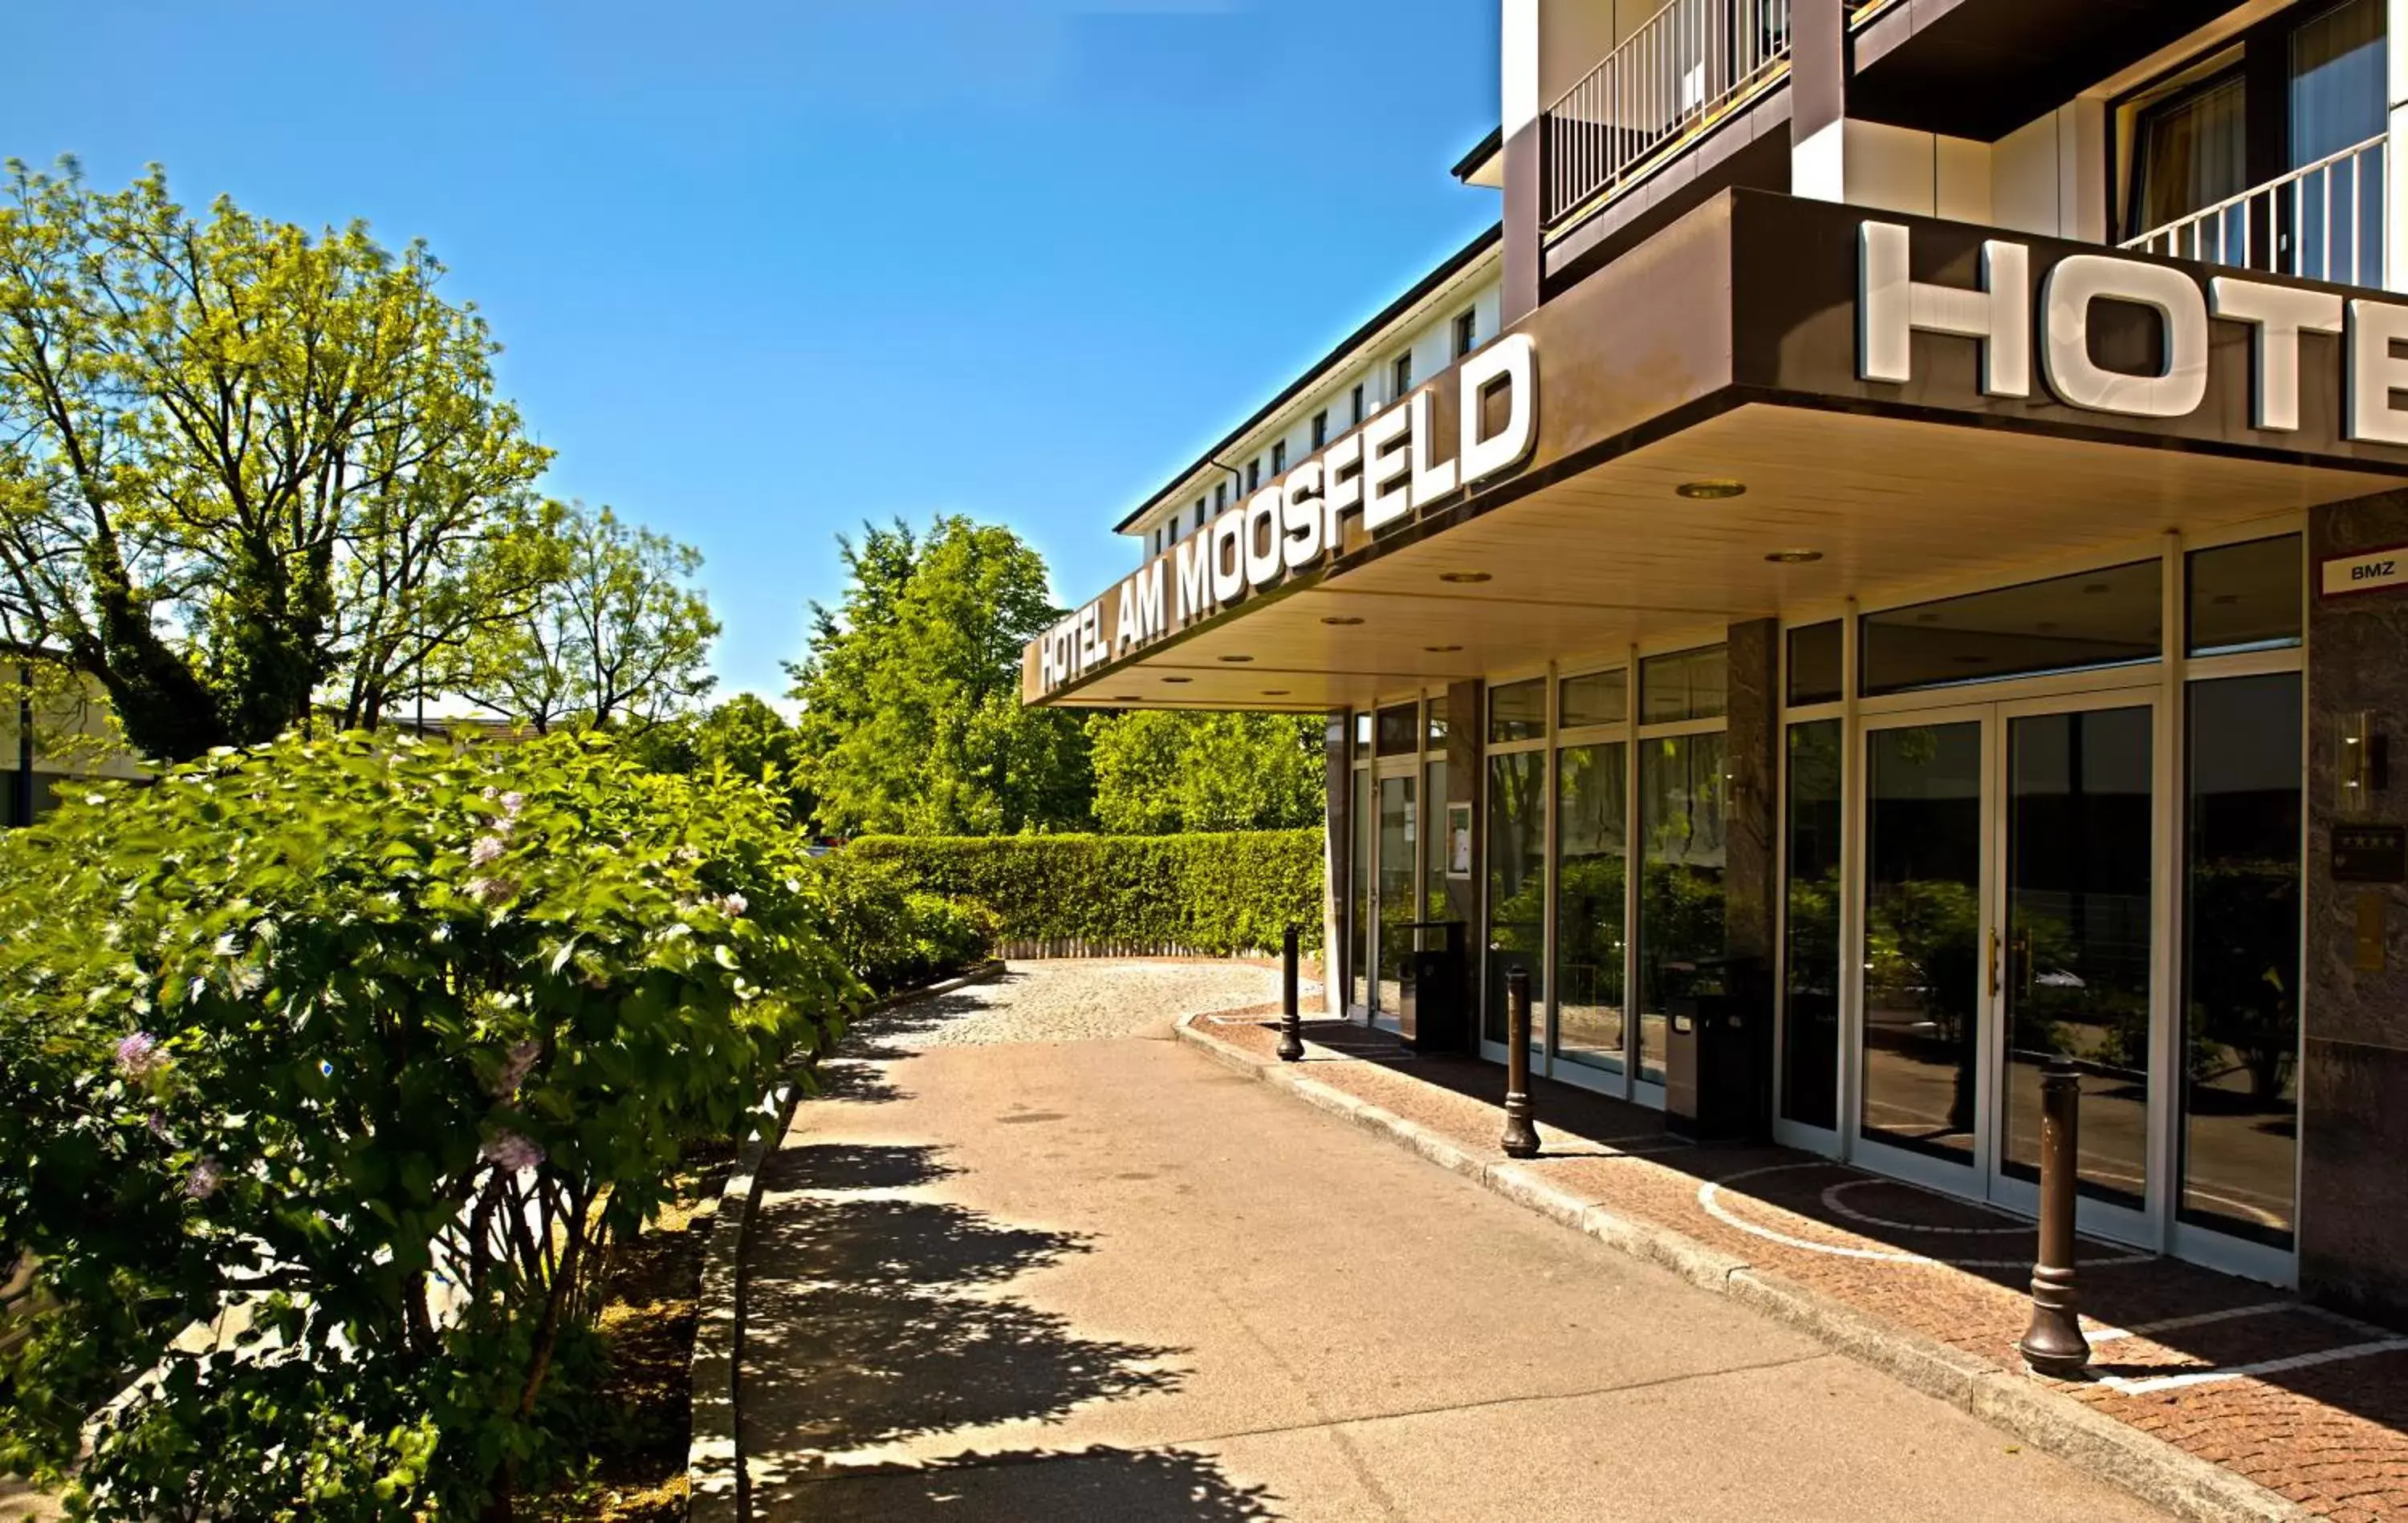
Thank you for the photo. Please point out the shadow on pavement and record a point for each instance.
(857, 1070)
(1097, 1483)
(871, 1319)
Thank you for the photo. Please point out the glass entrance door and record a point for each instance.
(1396, 894)
(2009, 919)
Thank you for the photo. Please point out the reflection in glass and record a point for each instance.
(1684, 685)
(1434, 733)
(2245, 597)
(1399, 842)
(1681, 791)
(1517, 882)
(1518, 711)
(2092, 619)
(1809, 1012)
(2241, 963)
(2076, 960)
(1923, 913)
(1592, 792)
(1599, 698)
(1399, 730)
(1816, 663)
(1359, 915)
(1434, 896)
(2189, 152)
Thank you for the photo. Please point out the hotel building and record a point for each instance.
(1890, 565)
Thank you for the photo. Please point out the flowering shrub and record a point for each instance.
(331, 1069)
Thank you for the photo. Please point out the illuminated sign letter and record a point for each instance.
(1302, 513)
(1510, 363)
(1229, 558)
(1386, 470)
(1343, 492)
(2375, 373)
(2081, 280)
(1195, 557)
(2280, 314)
(1260, 537)
(1891, 305)
(1429, 481)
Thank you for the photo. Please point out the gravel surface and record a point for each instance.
(1077, 999)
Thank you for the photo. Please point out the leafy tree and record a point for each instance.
(622, 637)
(742, 735)
(1159, 772)
(243, 463)
(910, 689)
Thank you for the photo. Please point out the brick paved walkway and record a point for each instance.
(2306, 1403)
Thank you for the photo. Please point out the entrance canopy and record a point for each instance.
(1773, 405)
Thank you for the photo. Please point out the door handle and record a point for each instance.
(1992, 962)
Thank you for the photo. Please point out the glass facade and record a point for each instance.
(2240, 957)
(1681, 817)
(1810, 1011)
(1517, 881)
(2244, 597)
(1592, 872)
(2100, 617)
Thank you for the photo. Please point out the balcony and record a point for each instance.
(2321, 223)
(1687, 68)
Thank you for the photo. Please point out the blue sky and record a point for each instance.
(765, 270)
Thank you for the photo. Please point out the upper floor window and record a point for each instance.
(2336, 80)
(1401, 375)
(1320, 428)
(1358, 405)
(1254, 473)
(1220, 495)
(1467, 332)
(2189, 150)
(1200, 512)
(1279, 457)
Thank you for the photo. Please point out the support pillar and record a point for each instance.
(1338, 861)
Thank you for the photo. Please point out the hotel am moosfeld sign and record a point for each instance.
(1396, 464)
(2048, 334)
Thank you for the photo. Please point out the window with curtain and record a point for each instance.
(2336, 80)
(2188, 151)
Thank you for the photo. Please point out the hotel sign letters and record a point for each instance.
(2047, 339)
(1391, 468)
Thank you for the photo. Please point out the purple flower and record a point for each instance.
(486, 890)
(157, 1125)
(514, 1068)
(511, 1153)
(488, 849)
(204, 1179)
(734, 904)
(138, 1056)
(512, 804)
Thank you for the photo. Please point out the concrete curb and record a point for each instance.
(2149, 1468)
(719, 1488)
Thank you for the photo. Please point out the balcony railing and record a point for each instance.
(2322, 223)
(1684, 69)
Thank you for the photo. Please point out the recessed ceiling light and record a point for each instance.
(1342, 619)
(1464, 578)
(1275, 693)
(1441, 649)
(2094, 589)
(1179, 679)
(1710, 491)
(1793, 558)
(1127, 698)
(1236, 661)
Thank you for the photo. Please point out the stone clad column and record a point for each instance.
(1752, 864)
(2353, 1080)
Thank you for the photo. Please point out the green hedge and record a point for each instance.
(1213, 895)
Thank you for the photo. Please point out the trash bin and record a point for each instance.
(1716, 1058)
(1432, 1019)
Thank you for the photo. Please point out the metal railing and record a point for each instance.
(2321, 223)
(1678, 73)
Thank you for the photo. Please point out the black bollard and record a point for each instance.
(1291, 1043)
(2054, 1344)
(1521, 1138)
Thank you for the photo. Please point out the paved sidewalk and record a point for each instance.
(2308, 1403)
(998, 1276)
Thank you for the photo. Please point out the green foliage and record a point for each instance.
(243, 463)
(1162, 773)
(357, 1055)
(621, 637)
(1214, 894)
(910, 690)
(743, 736)
(893, 935)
